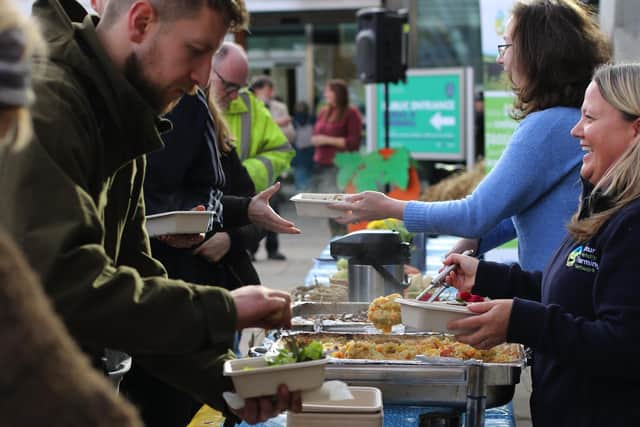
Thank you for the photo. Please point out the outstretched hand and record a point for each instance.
(368, 206)
(260, 213)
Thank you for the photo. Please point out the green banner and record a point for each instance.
(498, 126)
(425, 114)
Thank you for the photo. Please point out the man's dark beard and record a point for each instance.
(133, 73)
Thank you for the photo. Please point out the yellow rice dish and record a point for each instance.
(385, 347)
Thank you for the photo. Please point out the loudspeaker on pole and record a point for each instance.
(382, 45)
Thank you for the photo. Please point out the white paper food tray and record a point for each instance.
(178, 222)
(364, 410)
(252, 377)
(431, 316)
(365, 400)
(315, 204)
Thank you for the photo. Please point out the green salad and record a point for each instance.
(311, 351)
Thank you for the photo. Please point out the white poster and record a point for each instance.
(498, 98)
(494, 15)
(493, 20)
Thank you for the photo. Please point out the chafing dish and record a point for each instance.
(426, 381)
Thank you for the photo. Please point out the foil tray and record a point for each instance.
(330, 317)
(436, 381)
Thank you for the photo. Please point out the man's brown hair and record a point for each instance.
(234, 12)
(558, 47)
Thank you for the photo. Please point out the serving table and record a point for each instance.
(472, 390)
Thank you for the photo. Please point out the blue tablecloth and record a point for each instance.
(409, 416)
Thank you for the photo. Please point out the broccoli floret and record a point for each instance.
(283, 357)
(312, 351)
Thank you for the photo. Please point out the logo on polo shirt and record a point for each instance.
(584, 258)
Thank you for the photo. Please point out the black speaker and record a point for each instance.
(381, 45)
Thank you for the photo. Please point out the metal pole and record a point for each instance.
(419, 253)
(386, 114)
(387, 187)
(476, 394)
(470, 116)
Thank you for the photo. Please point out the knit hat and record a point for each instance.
(15, 70)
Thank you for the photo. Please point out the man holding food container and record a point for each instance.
(82, 227)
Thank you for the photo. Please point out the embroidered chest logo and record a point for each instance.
(583, 258)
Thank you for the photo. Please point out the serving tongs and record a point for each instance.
(438, 285)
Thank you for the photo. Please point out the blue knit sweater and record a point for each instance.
(530, 193)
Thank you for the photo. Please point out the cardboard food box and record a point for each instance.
(431, 316)
(253, 377)
(178, 222)
(364, 410)
(315, 204)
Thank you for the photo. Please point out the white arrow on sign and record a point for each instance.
(438, 120)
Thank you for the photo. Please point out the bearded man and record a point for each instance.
(82, 224)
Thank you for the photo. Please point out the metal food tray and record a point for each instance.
(305, 317)
(429, 381)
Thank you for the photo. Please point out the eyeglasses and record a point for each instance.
(229, 87)
(502, 48)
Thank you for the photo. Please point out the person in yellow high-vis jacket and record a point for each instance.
(262, 146)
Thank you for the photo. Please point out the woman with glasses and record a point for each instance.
(550, 50)
(582, 315)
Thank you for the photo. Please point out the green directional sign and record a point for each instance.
(427, 114)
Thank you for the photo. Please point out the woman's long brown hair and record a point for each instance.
(341, 91)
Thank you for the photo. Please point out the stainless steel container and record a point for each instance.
(330, 316)
(471, 384)
(428, 384)
(376, 262)
(366, 282)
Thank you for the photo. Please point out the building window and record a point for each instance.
(448, 35)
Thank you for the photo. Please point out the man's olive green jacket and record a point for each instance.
(73, 201)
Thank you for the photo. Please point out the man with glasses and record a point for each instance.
(262, 146)
(229, 88)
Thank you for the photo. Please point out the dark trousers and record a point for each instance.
(271, 242)
(159, 404)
